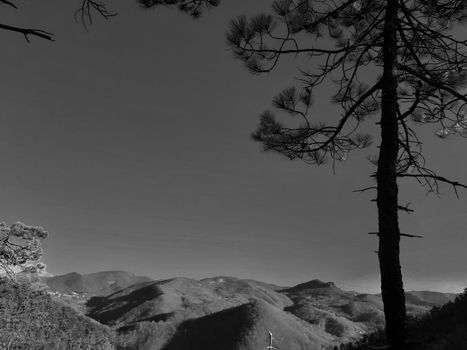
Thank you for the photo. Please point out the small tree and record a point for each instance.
(396, 57)
(20, 247)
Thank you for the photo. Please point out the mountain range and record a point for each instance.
(226, 312)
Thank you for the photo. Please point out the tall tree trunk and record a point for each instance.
(389, 234)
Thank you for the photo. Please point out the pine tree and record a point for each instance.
(398, 58)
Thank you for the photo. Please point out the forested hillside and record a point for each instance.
(443, 328)
(32, 320)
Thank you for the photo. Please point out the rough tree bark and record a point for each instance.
(387, 200)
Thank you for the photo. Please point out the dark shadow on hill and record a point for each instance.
(247, 327)
(157, 318)
(219, 331)
(107, 309)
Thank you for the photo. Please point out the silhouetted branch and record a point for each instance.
(436, 178)
(9, 3)
(400, 234)
(28, 32)
(405, 208)
(84, 13)
(366, 189)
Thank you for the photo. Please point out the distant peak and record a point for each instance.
(111, 272)
(313, 284)
(221, 279)
(70, 274)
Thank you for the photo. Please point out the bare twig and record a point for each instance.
(401, 234)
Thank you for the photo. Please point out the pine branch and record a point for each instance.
(454, 184)
(84, 13)
(193, 7)
(400, 234)
(28, 32)
(349, 113)
(9, 3)
(432, 82)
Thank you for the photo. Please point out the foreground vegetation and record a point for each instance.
(32, 320)
(443, 328)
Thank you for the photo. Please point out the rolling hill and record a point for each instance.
(316, 301)
(179, 299)
(213, 313)
(100, 283)
(170, 308)
(247, 327)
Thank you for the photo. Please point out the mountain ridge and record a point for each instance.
(165, 314)
(183, 305)
(97, 283)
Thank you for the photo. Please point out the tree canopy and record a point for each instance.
(20, 247)
(430, 69)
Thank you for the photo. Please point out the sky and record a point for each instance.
(130, 143)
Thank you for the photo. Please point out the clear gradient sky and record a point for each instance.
(130, 144)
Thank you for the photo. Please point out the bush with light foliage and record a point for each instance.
(20, 247)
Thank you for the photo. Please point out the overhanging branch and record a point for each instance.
(28, 32)
(9, 3)
(454, 184)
